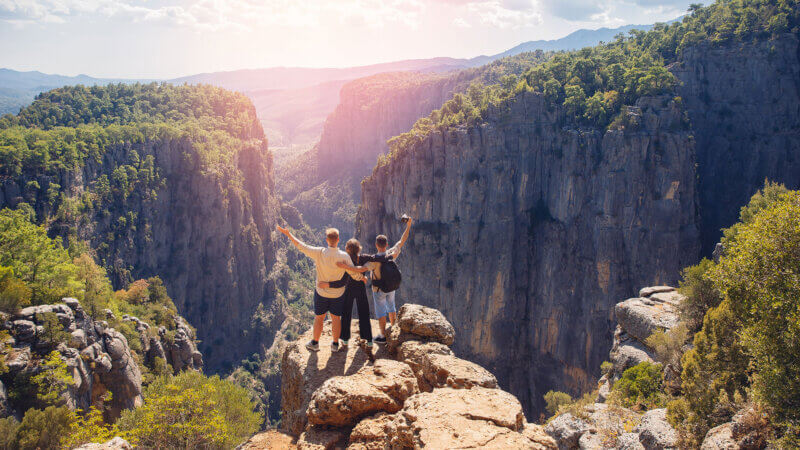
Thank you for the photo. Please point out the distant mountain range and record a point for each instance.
(293, 102)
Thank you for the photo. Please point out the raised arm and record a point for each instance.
(404, 238)
(302, 246)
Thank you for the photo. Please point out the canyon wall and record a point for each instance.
(205, 229)
(744, 105)
(528, 232)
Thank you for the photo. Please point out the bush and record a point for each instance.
(191, 411)
(87, 428)
(760, 277)
(40, 262)
(716, 363)
(14, 293)
(8, 432)
(668, 345)
(639, 387)
(701, 295)
(555, 400)
(43, 429)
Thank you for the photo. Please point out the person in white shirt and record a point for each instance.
(330, 263)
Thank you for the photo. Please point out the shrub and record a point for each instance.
(14, 293)
(8, 432)
(639, 387)
(43, 429)
(668, 345)
(87, 428)
(701, 295)
(40, 262)
(555, 400)
(52, 331)
(191, 411)
(52, 380)
(760, 276)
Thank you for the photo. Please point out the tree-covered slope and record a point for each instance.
(162, 180)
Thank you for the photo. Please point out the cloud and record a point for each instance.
(574, 10)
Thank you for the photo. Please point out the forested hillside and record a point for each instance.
(160, 180)
(545, 199)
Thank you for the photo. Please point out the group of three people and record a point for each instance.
(341, 280)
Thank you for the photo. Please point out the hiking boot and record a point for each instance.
(313, 346)
(379, 340)
(334, 347)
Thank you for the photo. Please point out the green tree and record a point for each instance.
(43, 429)
(96, 288)
(639, 387)
(14, 293)
(52, 380)
(760, 278)
(554, 400)
(700, 293)
(42, 263)
(191, 411)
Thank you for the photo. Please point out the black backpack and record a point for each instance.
(390, 276)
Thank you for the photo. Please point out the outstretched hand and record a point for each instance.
(282, 230)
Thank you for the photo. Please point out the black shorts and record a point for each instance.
(326, 304)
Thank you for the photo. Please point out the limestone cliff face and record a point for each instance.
(373, 109)
(205, 229)
(529, 232)
(744, 104)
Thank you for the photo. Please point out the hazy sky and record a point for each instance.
(161, 39)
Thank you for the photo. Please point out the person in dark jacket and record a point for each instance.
(355, 291)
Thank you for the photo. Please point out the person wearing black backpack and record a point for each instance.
(386, 279)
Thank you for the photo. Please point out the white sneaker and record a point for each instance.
(312, 346)
(335, 347)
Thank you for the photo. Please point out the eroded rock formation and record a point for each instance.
(98, 358)
(337, 400)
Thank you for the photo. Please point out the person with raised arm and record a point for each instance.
(327, 299)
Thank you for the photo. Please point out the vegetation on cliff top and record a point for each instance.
(594, 83)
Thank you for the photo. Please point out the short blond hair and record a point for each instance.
(332, 234)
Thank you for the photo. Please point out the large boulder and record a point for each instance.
(317, 438)
(415, 354)
(567, 430)
(655, 433)
(303, 372)
(447, 370)
(371, 433)
(640, 317)
(426, 322)
(343, 400)
(606, 424)
(114, 444)
(460, 418)
(720, 438)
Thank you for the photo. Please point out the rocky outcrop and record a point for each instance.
(526, 229)
(742, 102)
(97, 357)
(341, 401)
(656, 309)
(177, 348)
(655, 432)
(379, 406)
(114, 444)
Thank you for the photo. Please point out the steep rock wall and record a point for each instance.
(528, 233)
(205, 230)
(744, 104)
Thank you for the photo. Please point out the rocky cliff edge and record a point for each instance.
(416, 393)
